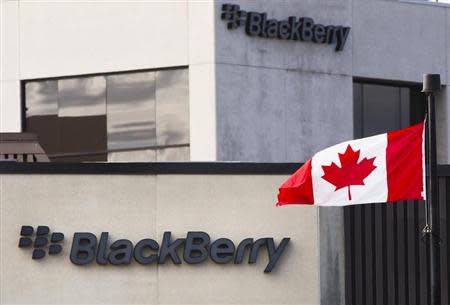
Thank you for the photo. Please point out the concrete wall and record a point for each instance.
(399, 40)
(283, 101)
(271, 94)
(144, 206)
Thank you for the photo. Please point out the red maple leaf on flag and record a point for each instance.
(351, 172)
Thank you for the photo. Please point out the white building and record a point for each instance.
(183, 80)
(239, 97)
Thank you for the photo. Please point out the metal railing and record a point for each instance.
(386, 258)
(21, 147)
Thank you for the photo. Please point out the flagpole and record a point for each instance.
(432, 84)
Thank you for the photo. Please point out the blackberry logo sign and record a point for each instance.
(292, 28)
(196, 248)
(41, 241)
(233, 15)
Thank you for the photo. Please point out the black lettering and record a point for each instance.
(319, 33)
(169, 249)
(283, 30)
(121, 252)
(139, 249)
(83, 248)
(272, 28)
(275, 253)
(255, 249)
(341, 35)
(253, 24)
(102, 257)
(306, 32)
(246, 243)
(263, 32)
(195, 249)
(295, 28)
(222, 250)
(330, 34)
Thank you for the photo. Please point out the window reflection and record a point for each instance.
(131, 110)
(79, 97)
(123, 117)
(42, 113)
(172, 107)
(173, 153)
(82, 119)
(141, 155)
(41, 98)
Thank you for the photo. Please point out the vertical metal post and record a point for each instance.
(432, 84)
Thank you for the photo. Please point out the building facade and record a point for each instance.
(222, 81)
(240, 97)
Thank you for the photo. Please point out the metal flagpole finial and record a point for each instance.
(431, 83)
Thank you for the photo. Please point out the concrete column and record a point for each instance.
(443, 126)
(202, 81)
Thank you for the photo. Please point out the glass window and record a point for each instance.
(379, 108)
(140, 155)
(122, 117)
(173, 153)
(42, 113)
(82, 119)
(131, 111)
(172, 107)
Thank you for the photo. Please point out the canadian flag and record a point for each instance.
(381, 168)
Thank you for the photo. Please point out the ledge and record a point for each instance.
(151, 168)
(161, 168)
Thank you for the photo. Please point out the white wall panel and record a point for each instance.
(202, 108)
(69, 38)
(144, 206)
(202, 80)
(9, 67)
(10, 106)
(9, 40)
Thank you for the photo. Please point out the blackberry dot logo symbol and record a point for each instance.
(41, 241)
(234, 16)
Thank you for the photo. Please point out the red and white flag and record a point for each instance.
(381, 168)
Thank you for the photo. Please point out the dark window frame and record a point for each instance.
(357, 109)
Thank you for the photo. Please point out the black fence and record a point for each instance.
(386, 260)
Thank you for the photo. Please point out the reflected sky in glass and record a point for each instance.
(42, 98)
(131, 110)
(84, 96)
(172, 107)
